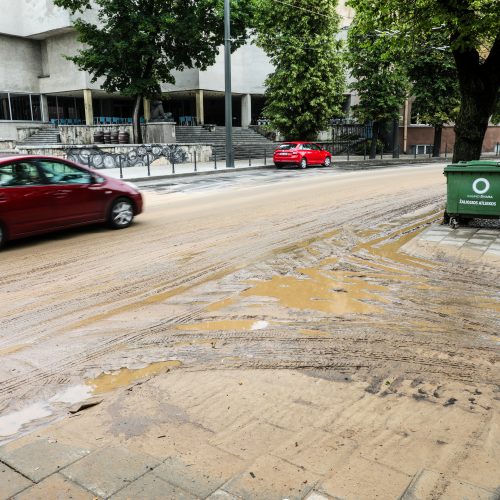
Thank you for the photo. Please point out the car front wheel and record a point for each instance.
(303, 163)
(328, 161)
(121, 214)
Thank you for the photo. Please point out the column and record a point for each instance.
(146, 104)
(89, 110)
(44, 105)
(200, 111)
(246, 110)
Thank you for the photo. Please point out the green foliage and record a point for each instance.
(136, 44)
(471, 29)
(431, 69)
(468, 23)
(306, 88)
(379, 77)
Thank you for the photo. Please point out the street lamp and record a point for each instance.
(227, 90)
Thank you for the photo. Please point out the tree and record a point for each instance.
(431, 69)
(136, 44)
(381, 83)
(472, 29)
(306, 88)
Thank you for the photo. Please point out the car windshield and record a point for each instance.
(287, 146)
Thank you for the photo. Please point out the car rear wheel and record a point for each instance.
(303, 163)
(2, 236)
(277, 165)
(121, 214)
(328, 161)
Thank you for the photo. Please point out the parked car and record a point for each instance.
(302, 154)
(39, 194)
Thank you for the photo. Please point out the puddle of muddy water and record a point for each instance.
(73, 394)
(18, 421)
(13, 349)
(107, 382)
(313, 333)
(13, 422)
(226, 325)
(334, 292)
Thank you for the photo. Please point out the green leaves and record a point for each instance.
(375, 64)
(306, 88)
(138, 43)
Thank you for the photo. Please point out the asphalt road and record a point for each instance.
(261, 269)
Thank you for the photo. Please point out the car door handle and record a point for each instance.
(3, 198)
(60, 193)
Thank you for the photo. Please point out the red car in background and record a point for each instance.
(39, 194)
(302, 154)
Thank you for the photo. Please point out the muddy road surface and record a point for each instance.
(303, 272)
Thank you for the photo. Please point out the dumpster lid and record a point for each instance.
(483, 165)
(476, 163)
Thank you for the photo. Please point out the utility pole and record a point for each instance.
(228, 96)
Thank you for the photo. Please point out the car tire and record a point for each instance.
(121, 213)
(277, 165)
(303, 163)
(328, 161)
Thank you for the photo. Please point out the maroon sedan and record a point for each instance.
(39, 194)
(302, 154)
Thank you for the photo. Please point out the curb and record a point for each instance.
(342, 165)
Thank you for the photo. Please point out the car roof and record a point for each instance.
(7, 159)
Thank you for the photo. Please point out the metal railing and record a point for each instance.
(174, 161)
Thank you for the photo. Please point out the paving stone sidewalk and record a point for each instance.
(194, 435)
(482, 244)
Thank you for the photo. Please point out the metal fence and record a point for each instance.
(174, 160)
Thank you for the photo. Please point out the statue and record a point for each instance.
(158, 114)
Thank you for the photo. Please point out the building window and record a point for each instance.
(22, 107)
(4, 106)
(36, 108)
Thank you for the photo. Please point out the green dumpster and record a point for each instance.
(473, 191)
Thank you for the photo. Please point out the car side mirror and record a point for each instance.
(96, 179)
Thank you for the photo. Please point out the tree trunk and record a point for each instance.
(373, 146)
(395, 138)
(479, 85)
(136, 125)
(438, 132)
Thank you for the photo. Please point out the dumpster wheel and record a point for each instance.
(454, 222)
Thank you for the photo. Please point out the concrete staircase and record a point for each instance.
(45, 135)
(247, 142)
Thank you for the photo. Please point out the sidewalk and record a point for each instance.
(254, 434)
(164, 170)
(476, 244)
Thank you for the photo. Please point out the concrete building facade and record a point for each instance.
(38, 85)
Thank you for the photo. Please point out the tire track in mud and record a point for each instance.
(192, 266)
(75, 362)
(43, 319)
